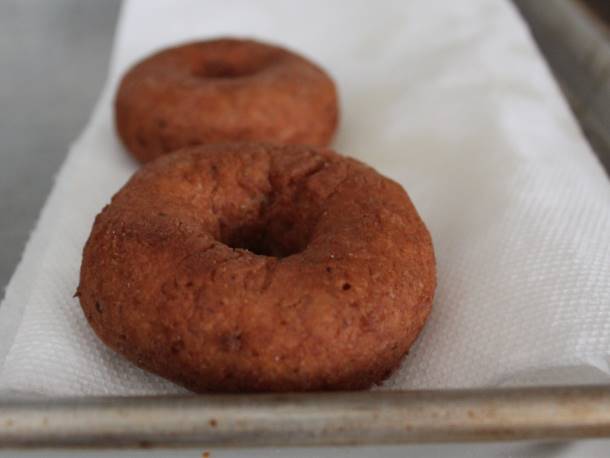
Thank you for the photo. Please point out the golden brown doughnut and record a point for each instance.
(223, 90)
(259, 268)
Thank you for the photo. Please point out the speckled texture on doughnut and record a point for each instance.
(259, 268)
(223, 90)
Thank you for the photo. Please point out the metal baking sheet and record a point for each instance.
(309, 419)
(574, 36)
(358, 417)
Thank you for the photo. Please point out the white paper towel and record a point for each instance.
(449, 98)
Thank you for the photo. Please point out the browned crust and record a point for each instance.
(339, 310)
(223, 90)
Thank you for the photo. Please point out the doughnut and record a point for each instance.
(223, 90)
(259, 267)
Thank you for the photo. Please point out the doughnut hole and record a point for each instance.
(226, 70)
(236, 65)
(280, 228)
(276, 239)
(278, 219)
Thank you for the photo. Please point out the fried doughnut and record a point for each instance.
(252, 267)
(223, 90)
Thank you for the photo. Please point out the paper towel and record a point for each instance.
(451, 99)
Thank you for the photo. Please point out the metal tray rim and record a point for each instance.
(339, 418)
